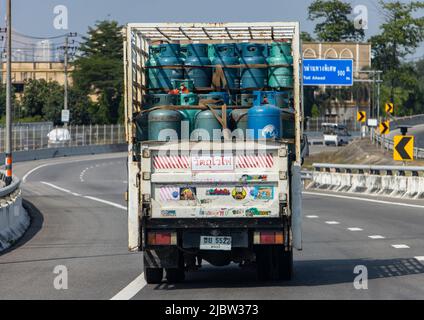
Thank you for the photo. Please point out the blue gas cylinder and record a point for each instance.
(164, 55)
(198, 61)
(264, 122)
(251, 77)
(226, 54)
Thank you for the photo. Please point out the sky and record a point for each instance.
(36, 17)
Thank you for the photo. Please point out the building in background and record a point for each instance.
(43, 51)
(24, 71)
(340, 104)
(34, 59)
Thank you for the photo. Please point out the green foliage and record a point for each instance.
(2, 100)
(44, 100)
(335, 24)
(99, 70)
(401, 34)
(306, 37)
(315, 111)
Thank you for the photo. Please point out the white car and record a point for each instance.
(59, 137)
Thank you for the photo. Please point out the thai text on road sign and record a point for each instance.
(329, 72)
(403, 148)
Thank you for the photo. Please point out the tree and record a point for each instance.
(34, 97)
(99, 70)
(306, 36)
(43, 100)
(53, 103)
(401, 34)
(335, 24)
(315, 111)
(419, 103)
(2, 100)
(80, 107)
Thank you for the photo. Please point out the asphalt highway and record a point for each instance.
(416, 131)
(80, 224)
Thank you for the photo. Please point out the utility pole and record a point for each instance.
(65, 102)
(8, 143)
(66, 61)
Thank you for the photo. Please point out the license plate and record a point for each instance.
(215, 243)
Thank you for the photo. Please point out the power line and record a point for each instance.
(40, 38)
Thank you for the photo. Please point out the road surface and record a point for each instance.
(416, 131)
(81, 225)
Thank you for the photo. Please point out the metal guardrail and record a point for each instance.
(7, 190)
(371, 169)
(35, 137)
(306, 175)
(388, 144)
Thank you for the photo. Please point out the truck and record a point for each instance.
(218, 201)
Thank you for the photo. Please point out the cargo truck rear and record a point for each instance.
(226, 200)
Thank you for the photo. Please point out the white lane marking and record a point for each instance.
(419, 258)
(400, 246)
(33, 170)
(56, 187)
(106, 202)
(365, 199)
(355, 229)
(116, 205)
(54, 164)
(332, 222)
(376, 237)
(132, 289)
(82, 174)
(312, 217)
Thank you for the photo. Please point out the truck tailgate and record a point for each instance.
(228, 184)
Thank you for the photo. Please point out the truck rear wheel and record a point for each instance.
(153, 275)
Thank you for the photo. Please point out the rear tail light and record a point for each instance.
(162, 238)
(268, 237)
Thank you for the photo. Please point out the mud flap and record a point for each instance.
(166, 257)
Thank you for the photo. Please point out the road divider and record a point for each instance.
(50, 153)
(391, 181)
(14, 220)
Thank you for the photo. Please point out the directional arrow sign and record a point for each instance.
(385, 127)
(390, 107)
(362, 116)
(403, 148)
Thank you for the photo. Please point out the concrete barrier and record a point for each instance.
(373, 182)
(14, 220)
(40, 154)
